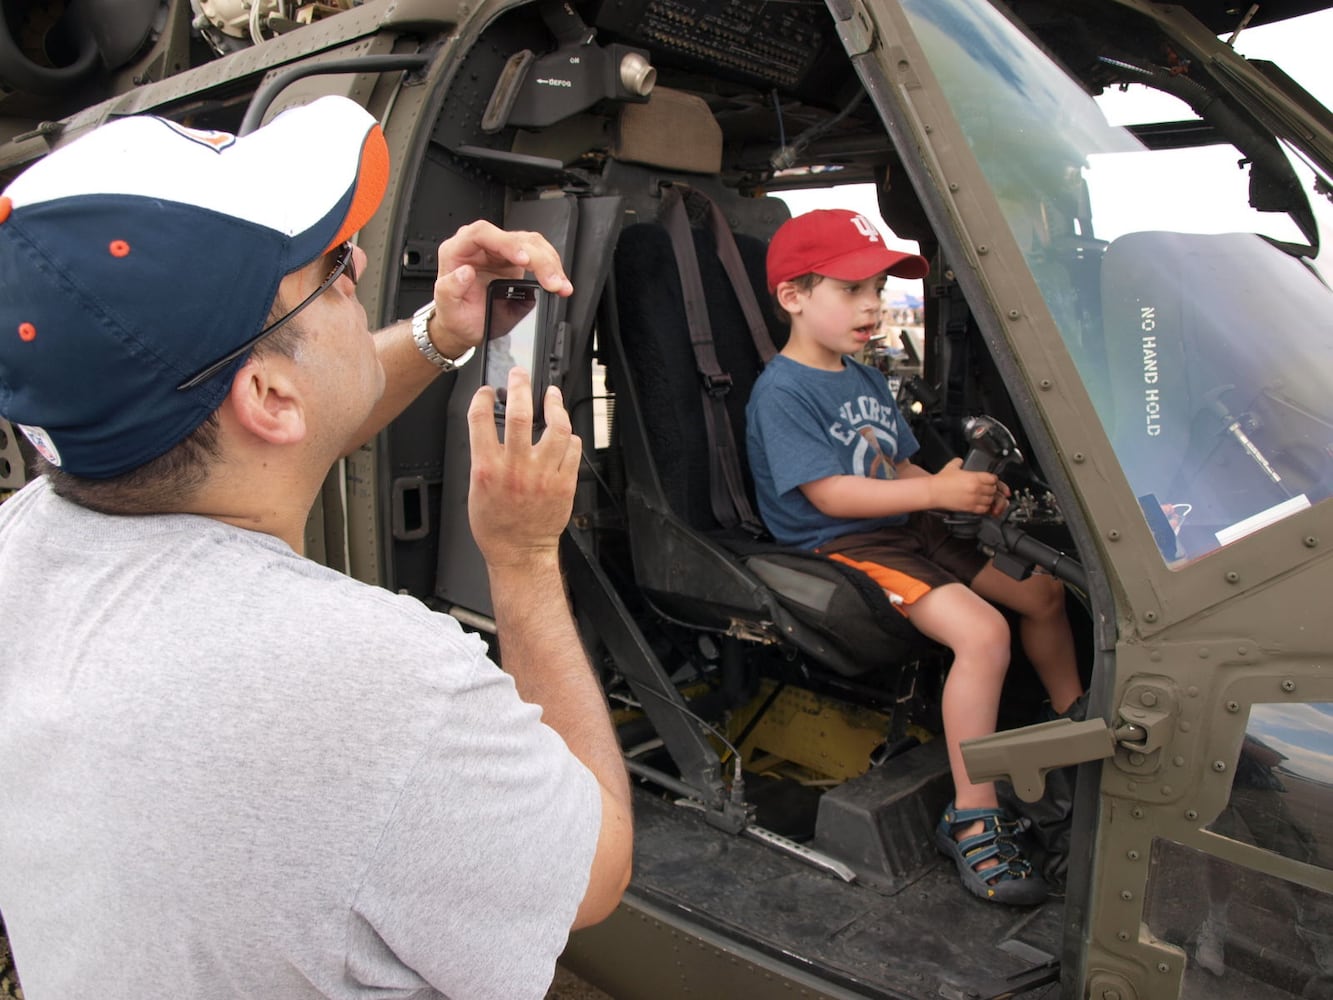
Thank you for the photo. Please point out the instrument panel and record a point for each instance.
(773, 42)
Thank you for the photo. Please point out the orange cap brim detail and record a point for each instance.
(372, 180)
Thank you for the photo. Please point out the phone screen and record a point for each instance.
(515, 311)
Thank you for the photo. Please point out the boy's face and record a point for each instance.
(835, 317)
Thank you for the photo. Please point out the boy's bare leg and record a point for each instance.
(1044, 628)
(978, 635)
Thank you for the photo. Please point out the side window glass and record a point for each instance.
(1282, 794)
(1248, 933)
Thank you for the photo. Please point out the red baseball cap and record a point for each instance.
(837, 244)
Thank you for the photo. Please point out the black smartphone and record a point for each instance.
(518, 332)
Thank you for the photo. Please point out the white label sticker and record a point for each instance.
(1262, 519)
(42, 442)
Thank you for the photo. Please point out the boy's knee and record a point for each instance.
(1048, 595)
(987, 637)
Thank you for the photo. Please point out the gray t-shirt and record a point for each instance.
(227, 771)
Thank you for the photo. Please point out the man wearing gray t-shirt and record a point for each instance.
(227, 771)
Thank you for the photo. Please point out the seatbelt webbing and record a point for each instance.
(726, 486)
(730, 256)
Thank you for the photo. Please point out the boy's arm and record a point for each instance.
(857, 497)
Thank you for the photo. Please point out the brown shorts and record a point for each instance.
(910, 559)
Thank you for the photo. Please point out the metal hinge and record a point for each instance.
(856, 29)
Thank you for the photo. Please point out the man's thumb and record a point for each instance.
(458, 281)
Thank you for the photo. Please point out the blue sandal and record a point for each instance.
(1012, 880)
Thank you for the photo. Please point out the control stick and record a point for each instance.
(992, 448)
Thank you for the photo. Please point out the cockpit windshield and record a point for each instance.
(1176, 247)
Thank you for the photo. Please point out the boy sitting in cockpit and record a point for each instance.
(830, 453)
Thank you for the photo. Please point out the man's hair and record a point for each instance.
(164, 484)
(804, 282)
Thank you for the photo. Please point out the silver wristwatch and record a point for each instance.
(421, 334)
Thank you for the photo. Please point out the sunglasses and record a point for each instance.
(342, 264)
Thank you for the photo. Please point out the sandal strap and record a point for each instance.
(998, 817)
(958, 817)
(977, 849)
(1013, 870)
(996, 840)
(978, 853)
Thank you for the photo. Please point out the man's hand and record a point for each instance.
(966, 492)
(469, 261)
(519, 503)
(521, 493)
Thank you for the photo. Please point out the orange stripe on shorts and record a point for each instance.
(909, 588)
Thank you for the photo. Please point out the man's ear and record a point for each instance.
(266, 401)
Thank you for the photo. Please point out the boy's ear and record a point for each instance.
(789, 296)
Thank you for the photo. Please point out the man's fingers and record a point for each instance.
(518, 409)
(573, 452)
(455, 284)
(532, 252)
(559, 432)
(506, 253)
(553, 407)
(481, 423)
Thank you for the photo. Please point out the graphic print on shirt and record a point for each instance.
(869, 429)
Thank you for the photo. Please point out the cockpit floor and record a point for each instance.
(930, 939)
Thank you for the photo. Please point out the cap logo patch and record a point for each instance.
(866, 228)
(27, 333)
(42, 442)
(212, 138)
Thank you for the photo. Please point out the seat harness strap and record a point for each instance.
(726, 486)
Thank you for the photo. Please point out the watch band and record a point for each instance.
(421, 335)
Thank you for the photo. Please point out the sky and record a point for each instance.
(1300, 46)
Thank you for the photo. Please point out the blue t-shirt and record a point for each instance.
(804, 424)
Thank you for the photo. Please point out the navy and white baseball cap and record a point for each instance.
(138, 254)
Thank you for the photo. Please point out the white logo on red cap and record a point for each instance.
(42, 442)
(866, 228)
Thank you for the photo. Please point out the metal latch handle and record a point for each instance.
(1024, 756)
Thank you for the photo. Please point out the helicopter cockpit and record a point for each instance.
(1153, 262)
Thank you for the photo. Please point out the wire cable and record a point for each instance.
(737, 792)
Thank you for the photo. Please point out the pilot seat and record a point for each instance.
(686, 327)
(700, 554)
